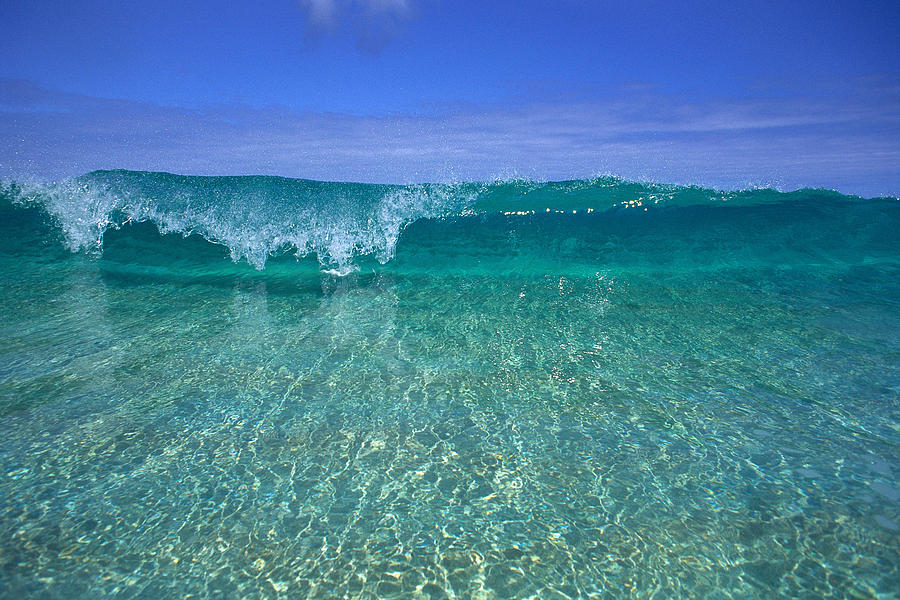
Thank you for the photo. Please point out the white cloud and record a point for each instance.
(321, 12)
(374, 22)
(328, 10)
(849, 142)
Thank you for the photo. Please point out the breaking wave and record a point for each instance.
(257, 217)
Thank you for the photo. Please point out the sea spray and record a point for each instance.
(259, 217)
(254, 217)
(550, 389)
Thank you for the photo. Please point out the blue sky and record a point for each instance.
(730, 94)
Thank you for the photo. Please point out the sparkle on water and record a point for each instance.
(665, 404)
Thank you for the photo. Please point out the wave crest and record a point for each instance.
(254, 217)
(257, 217)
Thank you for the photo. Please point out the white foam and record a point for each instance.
(255, 218)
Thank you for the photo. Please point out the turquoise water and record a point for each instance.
(586, 389)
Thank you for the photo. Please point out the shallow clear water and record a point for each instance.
(681, 402)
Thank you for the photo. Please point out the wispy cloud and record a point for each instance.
(374, 22)
(850, 142)
(327, 12)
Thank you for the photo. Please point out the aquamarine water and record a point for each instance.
(588, 389)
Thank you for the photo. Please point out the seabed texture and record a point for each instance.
(686, 402)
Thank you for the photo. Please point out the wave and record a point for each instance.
(258, 217)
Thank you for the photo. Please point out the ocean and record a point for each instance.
(259, 387)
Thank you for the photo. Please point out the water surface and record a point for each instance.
(592, 389)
